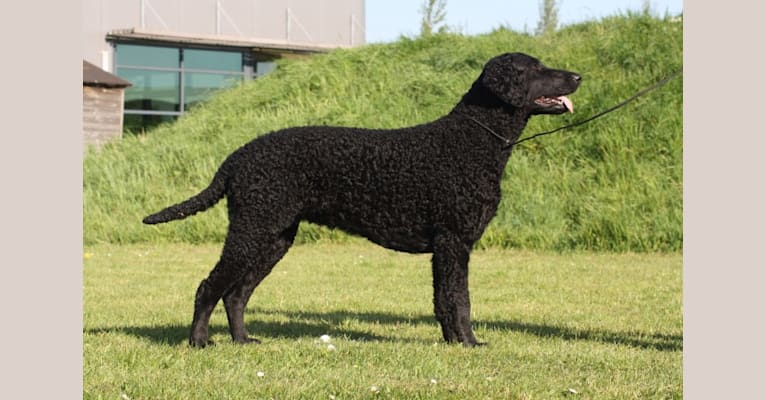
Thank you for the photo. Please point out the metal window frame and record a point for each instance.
(163, 69)
(153, 112)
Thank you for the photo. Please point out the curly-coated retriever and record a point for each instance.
(430, 188)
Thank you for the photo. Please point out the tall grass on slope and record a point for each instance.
(614, 184)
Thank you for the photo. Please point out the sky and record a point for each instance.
(389, 19)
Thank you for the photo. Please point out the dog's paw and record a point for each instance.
(475, 344)
(247, 340)
(200, 343)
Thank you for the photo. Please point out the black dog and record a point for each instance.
(431, 188)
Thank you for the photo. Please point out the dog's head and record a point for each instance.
(524, 82)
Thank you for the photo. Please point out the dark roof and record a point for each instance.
(95, 76)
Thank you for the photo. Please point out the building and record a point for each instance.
(176, 53)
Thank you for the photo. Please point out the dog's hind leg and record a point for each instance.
(229, 269)
(241, 250)
(209, 292)
(452, 304)
(236, 298)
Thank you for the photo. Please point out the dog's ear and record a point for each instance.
(506, 79)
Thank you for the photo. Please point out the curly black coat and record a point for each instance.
(431, 188)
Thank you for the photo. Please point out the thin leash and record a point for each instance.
(625, 102)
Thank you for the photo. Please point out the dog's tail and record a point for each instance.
(200, 202)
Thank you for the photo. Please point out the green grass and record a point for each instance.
(614, 184)
(608, 326)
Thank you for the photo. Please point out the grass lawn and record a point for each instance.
(577, 325)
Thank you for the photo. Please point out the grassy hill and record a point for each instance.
(614, 184)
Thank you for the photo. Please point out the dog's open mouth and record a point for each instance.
(556, 101)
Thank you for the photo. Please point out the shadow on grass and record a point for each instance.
(656, 341)
(178, 334)
(315, 324)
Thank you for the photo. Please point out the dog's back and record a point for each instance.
(349, 178)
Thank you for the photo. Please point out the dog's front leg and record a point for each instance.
(452, 304)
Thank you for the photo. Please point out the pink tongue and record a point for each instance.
(567, 103)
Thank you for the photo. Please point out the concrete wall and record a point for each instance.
(323, 22)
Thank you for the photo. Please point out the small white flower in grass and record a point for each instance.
(331, 347)
(572, 391)
(332, 397)
(260, 374)
(124, 397)
(325, 338)
(433, 381)
(375, 389)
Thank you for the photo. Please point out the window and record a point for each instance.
(264, 67)
(167, 81)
